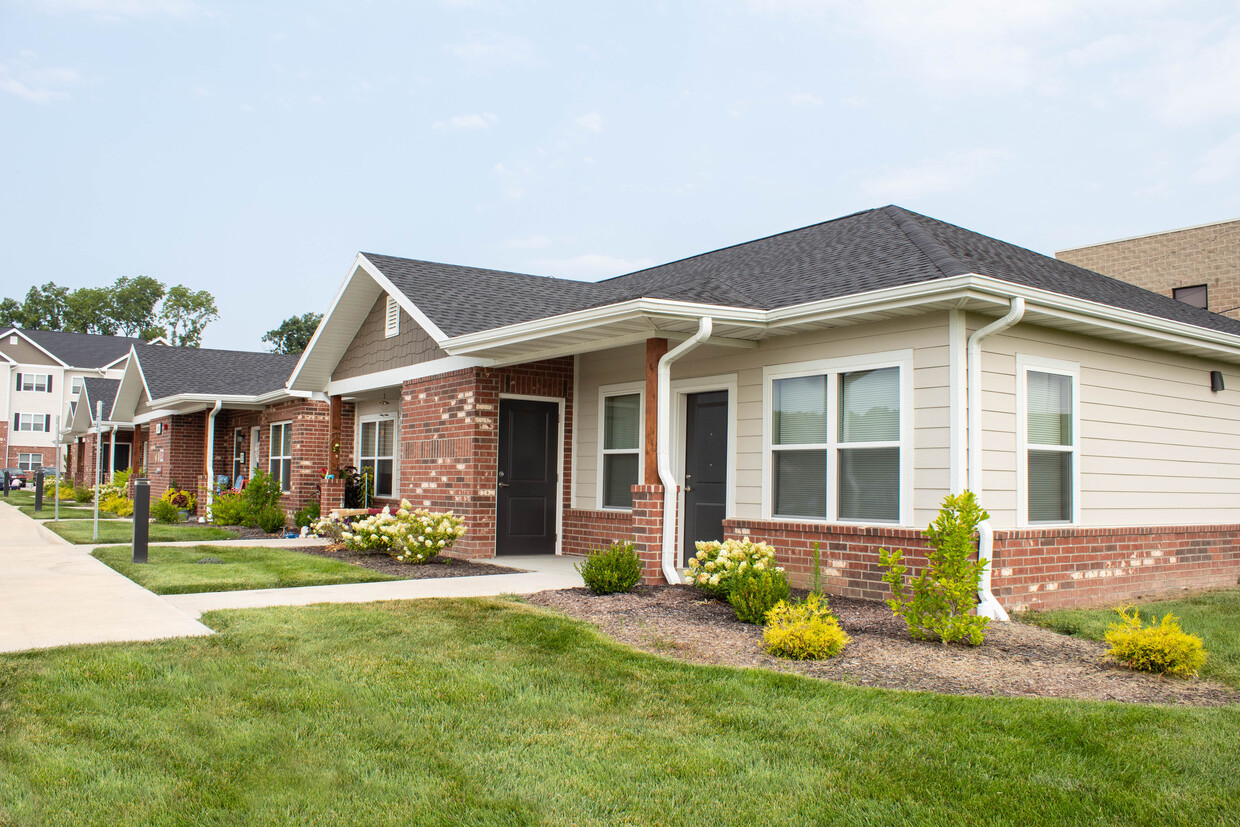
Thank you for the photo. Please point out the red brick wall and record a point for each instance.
(449, 440)
(176, 455)
(1033, 569)
(4, 444)
(648, 531)
(587, 530)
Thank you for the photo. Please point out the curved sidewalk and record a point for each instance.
(53, 594)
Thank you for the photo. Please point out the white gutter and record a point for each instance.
(988, 605)
(664, 435)
(219, 403)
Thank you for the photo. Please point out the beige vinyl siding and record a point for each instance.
(925, 335)
(24, 353)
(1157, 446)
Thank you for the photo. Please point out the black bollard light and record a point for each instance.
(6, 484)
(141, 518)
(38, 490)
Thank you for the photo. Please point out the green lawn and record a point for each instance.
(491, 712)
(66, 512)
(121, 531)
(1212, 616)
(176, 570)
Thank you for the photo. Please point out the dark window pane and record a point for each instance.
(1197, 295)
(619, 477)
(800, 483)
(1050, 486)
(869, 484)
(383, 478)
(622, 421)
(870, 406)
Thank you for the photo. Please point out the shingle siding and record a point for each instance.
(372, 351)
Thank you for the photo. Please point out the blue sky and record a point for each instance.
(252, 149)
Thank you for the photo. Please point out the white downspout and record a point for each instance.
(210, 468)
(664, 435)
(988, 605)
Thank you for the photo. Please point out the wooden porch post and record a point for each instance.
(333, 436)
(655, 349)
(135, 451)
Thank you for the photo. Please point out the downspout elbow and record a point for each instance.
(664, 453)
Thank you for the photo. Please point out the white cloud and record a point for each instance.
(804, 99)
(589, 266)
(117, 9)
(534, 242)
(485, 50)
(592, 121)
(37, 85)
(484, 120)
(949, 173)
(1220, 162)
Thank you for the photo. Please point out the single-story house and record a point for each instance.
(825, 386)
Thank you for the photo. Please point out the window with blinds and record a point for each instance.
(391, 325)
(621, 461)
(1050, 441)
(377, 455)
(841, 428)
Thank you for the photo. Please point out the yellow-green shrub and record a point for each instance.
(120, 506)
(65, 492)
(804, 631)
(1164, 648)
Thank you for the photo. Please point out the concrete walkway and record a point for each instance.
(539, 573)
(54, 594)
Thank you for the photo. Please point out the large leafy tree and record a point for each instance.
(90, 310)
(46, 307)
(293, 334)
(133, 306)
(186, 313)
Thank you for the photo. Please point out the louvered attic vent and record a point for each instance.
(392, 325)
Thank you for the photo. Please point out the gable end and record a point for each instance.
(373, 350)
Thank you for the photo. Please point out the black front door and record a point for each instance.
(527, 479)
(706, 467)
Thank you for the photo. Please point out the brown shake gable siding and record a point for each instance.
(370, 351)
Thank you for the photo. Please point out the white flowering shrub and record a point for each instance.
(716, 566)
(411, 535)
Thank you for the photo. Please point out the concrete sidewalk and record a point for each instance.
(539, 573)
(54, 594)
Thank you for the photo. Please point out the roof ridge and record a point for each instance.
(738, 244)
(944, 261)
(482, 269)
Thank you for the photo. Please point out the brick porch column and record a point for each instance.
(204, 485)
(648, 531)
(331, 496)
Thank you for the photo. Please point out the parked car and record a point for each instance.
(49, 473)
(17, 477)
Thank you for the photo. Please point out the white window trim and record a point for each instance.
(357, 450)
(34, 466)
(902, 359)
(272, 455)
(391, 318)
(1038, 364)
(620, 389)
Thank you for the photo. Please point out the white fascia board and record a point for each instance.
(40, 348)
(318, 331)
(195, 399)
(395, 376)
(112, 364)
(134, 360)
(596, 316)
(151, 416)
(404, 301)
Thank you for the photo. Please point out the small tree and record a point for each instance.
(946, 590)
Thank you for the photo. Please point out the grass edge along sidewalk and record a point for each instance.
(79, 532)
(178, 570)
(486, 711)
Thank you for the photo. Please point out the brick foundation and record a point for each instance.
(1034, 569)
(587, 530)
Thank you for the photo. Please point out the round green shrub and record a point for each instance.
(756, 592)
(1164, 648)
(165, 512)
(804, 631)
(83, 495)
(271, 519)
(616, 568)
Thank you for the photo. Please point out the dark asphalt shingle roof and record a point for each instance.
(101, 390)
(83, 350)
(871, 250)
(175, 370)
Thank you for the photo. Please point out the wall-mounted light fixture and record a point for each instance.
(1216, 380)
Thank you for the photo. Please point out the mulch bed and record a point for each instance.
(437, 567)
(1016, 660)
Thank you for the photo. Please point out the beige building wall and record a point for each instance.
(925, 336)
(1156, 445)
(1208, 255)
